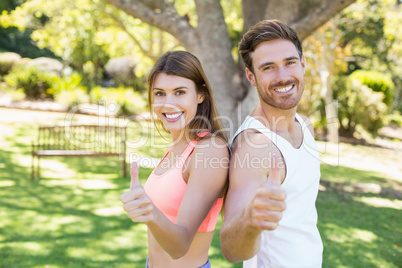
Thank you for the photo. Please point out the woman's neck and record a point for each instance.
(180, 139)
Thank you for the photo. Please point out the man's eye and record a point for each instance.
(267, 68)
(291, 62)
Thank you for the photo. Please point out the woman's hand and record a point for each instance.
(136, 203)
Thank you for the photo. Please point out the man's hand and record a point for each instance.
(135, 202)
(269, 201)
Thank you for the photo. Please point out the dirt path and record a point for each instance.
(381, 160)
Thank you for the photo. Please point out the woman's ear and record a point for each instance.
(201, 98)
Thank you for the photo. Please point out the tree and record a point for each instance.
(207, 36)
(324, 54)
(371, 28)
(360, 37)
(12, 40)
(86, 33)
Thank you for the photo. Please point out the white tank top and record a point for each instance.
(296, 242)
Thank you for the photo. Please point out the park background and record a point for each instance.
(85, 61)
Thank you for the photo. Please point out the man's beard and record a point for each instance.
(281, 103)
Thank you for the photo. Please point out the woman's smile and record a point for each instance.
(173, 117)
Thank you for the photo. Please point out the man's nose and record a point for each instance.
(282, 74)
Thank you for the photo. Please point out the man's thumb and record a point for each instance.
(134, 176)
(277, 165)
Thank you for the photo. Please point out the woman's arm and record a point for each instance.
(207, 175)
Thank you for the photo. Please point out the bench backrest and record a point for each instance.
(98, 138)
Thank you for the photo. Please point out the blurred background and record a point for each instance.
(92, 57)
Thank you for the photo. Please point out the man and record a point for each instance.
(270, 213)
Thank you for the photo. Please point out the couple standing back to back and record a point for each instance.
(270, 184)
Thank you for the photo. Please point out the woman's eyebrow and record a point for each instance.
(177, 88)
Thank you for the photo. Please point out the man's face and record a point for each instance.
(278, 73)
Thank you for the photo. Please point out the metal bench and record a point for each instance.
(79, 141)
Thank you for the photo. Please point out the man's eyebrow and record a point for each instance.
(264, 64)
(292, 58)
(269, 63)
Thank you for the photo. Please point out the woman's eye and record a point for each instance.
(158, 93)
(180, 92)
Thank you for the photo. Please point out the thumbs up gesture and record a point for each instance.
(269, 201)
(277, 167)
(135, 202)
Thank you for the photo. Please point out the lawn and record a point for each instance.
(72, 216)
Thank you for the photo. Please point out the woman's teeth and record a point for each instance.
(173, 116)
(284, 89)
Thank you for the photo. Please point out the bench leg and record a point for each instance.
(124, 168)
(38, 168)
(33, 168)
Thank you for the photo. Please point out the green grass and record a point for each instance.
(358, 229)
(72, 216)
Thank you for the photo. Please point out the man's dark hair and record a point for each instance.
(266, 30)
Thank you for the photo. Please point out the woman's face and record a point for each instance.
(175, 101)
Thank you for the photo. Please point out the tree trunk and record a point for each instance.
(330, 107)
(326, 62)
(210, 41)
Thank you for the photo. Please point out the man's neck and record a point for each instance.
(277, 120)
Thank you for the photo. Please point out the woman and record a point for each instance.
(183, 196)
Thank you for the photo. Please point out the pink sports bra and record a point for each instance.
(167, 190)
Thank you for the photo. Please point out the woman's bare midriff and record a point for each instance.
(196, 257)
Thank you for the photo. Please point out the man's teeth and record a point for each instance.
(172, 116)
(284, 89)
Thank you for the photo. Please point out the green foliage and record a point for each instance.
(35, 84)
(68, 82)
(11, 39)
(126, 100)
(7, 61)
(10, 4)
(395, 119)
(14, 40)
(70, 90)
(89, 31)
(370, 28)
(358, 105)
(121, 100)
(364, 27)
(377, 81)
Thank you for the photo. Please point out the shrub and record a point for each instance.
(7, 61)
(72, 98)
(128, 102)
(70, 90)
(358, 105)
(377, 81)
(68, 82)
(395, 119)
(35, 84)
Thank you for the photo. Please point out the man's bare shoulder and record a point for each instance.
(251, 140)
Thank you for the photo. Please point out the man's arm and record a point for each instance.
(255, 200)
